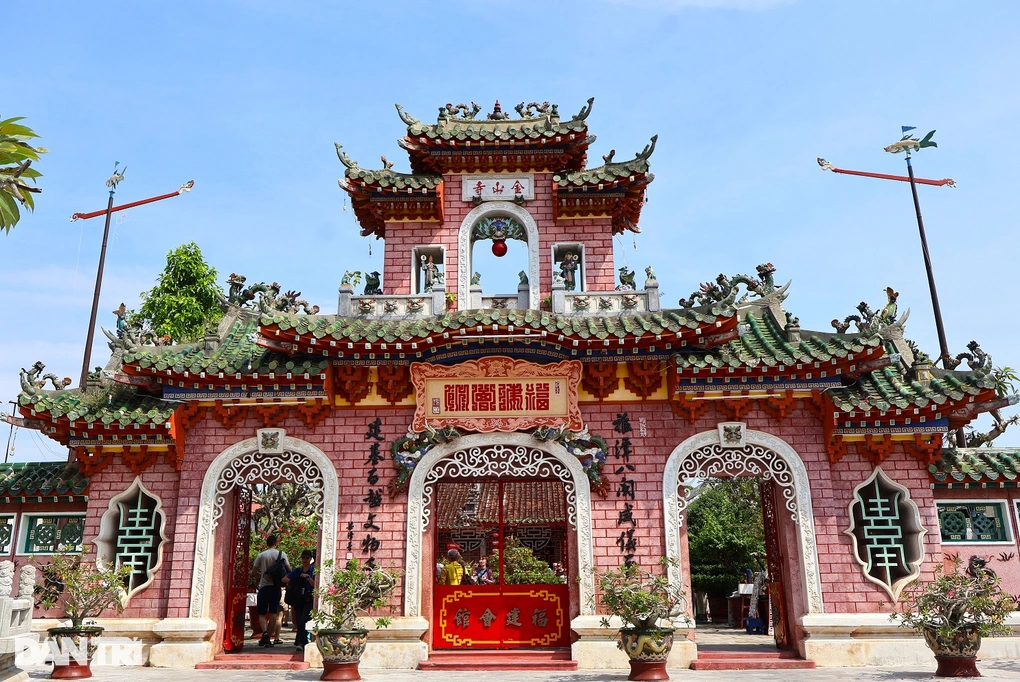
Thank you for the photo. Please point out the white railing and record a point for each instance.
(390, 306)
(15, 617)
(618, 302)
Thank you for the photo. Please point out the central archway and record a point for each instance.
(492, 209)
(517, 454)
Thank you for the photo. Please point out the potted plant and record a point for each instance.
(82, 590)
(648, 605)
(353, 589)
(954, 611)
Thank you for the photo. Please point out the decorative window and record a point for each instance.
(888, 537)
(973, 522)
(52, 533)
(131, 534)
(6, 533)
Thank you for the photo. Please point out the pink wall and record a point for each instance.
(594, 233)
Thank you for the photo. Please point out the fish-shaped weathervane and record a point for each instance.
(910, 144)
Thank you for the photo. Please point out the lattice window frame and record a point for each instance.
(9, 521)
(1004, 521)
(27, 526)
(110, 535)
(912, 533)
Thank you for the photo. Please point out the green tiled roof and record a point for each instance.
(385, 177)
(764, 344)
(593, 327)
(608, 173)
(112, 404)
(45, 479)
(973, 465)
(892, 387)
(236, 353)
(476, 129)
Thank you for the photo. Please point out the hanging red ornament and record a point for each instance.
(499, 248)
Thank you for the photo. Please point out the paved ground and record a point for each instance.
(995, 670)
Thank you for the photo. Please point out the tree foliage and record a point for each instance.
(16, 157)
(522, 566)
(185, 300)
(725, 534)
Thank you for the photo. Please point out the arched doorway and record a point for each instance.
(734, 450)
(271, 457)
(501, 457)
(466, 238)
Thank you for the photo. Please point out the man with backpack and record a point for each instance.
(271, 567)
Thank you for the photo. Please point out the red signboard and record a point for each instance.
(501, 616)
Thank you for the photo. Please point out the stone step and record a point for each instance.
(744, 663)
(499, 660)
(766, 654)
(277, 658)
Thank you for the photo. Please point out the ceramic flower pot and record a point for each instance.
(957, 655)
(341, 651)
(75, 648)
(648, 651)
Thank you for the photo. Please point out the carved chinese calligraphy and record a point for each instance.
(371, 543)
(496, 394)
(622, 452)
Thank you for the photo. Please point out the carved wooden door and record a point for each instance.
(775, 557)
(520, 527)
(239, 573)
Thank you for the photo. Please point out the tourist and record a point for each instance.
(482, 574)
(453, 571)
(270, 593)
(558, 570)
(300, 584)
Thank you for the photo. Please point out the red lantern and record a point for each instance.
(499, 248)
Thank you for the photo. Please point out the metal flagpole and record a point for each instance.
(110, 210)
(907, 144)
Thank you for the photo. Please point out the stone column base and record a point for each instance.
(854, 639)
(397, 647)
(185, 642)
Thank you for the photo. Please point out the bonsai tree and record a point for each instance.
(353, 590)
(642, 600)
(81, 588)
(956, 604)
(522, 567)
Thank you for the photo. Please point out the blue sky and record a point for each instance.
(247, 98)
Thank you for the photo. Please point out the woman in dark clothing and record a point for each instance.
(299, 595)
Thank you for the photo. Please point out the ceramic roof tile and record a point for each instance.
(976, 465)
(25, 479)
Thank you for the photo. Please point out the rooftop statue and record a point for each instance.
(372, 285)
(725, 287)
(32, 383)
(626, 279)
(868, 321)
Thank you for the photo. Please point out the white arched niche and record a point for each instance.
(505, 455)
(464, 266)
(757, 454)
(286, 459)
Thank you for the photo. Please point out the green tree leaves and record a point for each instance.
(185, 299)
(16, 157)
(725, 534)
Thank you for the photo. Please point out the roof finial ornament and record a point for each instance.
(344, 159)
(387, 164)
(497, 113)
(608, 158)
(585, 110)
(405, 117)
(649, 148)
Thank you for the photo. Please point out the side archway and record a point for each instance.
(487, 209)
(508, 454)
(760, 454)
(295, 461)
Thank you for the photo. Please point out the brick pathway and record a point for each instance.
(994, 670)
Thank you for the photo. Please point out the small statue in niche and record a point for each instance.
(431, 274)
(372, 286)
(568, 268)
